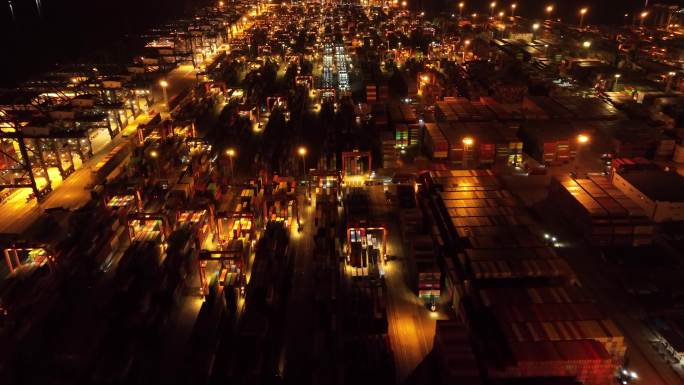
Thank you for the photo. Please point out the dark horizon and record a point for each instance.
(67, 31)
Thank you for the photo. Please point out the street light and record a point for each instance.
(586, 44)
(583, 12)
(501, 15)
(466, 43)
(492, 6)
(617, 79)
(467, 142)
(549, 10)
(513, 7)
(643, 16)
(164, 84)
(302, 152)
(583, 139)
(670, 78)
(460, 9)
(535, 28)
(231, 153)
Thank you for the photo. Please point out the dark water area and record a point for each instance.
(36, 34)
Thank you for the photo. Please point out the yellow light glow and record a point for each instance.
(493, 4)
(302, 151)
(230, 152)
(549, 8)
(164, 83)
(468, 141)
(583, 11)
(154, 153)
(583, 139)
(535, 26)
(586, 44)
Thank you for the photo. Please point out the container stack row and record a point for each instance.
(512, 292)
(601, 212)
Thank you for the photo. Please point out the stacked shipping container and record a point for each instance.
(513, 291)
(602, 212)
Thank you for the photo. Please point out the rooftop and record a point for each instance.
(657, 185)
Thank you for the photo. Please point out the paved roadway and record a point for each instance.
(297, 357)
(411, 324)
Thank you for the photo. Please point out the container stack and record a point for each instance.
(502, 112)
(585, 360)
(435, 142)
(492, 142)
(603, 213)
(543, 107)
(514, 293)
(550, 142)
(453, 349)
(587, 108)
(463, 110)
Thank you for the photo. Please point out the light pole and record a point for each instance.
(460, 9)
(467, 142)
(642, 17)
(583, 12)
(164, 84)
(535, 28)
(670, 78)
(491, 10)
(302, 152)
(513, 7)
(549, 11)
(582, 141)
(501, 15)
(617, 79)
(465, 46)
(231, 153)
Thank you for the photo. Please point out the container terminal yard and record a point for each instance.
(351, 193)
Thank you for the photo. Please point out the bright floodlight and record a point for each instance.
(582, 139)
(617, 76)
(154, 153)
(230, 152)
(302, 151)
(535, 26)
(583, 11)
(467, 42)
(633, 375)
(461, 5)
(644, 14)
(549, 8)
(514, 5)
(164, 83)
(468, 141)
(493, 4)
(586, 44)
